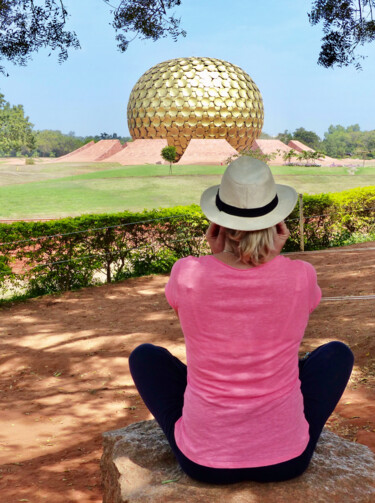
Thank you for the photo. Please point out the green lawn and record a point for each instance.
(55, 190)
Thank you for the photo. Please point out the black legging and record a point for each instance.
(160, 379)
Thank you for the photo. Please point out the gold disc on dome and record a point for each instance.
(192, 102)
(160, 112)
(224, 93)
(213, 92)
(186, 91)
(162, 92)
(233, 93)
(205, 102)
(180, 102)
(224, 113)
(155, 121)
(198, 112)
(192, 121)
(173, 92)
(211, 112)
(185, 112)
(179, 121)
(166, 102)
(205, 121)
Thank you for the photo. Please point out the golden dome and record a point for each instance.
(202, 98)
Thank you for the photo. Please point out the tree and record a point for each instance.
(169, 154)
(285, 137)
(343, 142)
(309, 138)
(147, 18)
(346, 25)
(51, 143)
(26, 27)
(16, 132)
(305, 155)
(288, 156)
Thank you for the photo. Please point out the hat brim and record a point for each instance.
(287, 199)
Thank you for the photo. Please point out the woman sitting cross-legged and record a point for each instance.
(245, 407)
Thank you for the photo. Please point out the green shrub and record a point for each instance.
(71, 253)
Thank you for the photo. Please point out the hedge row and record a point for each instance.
(71, 253)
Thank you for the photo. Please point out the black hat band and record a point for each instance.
(246, 212)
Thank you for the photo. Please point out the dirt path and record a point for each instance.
(65, 377)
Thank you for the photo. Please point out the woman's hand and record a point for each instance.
(215, 236)
(282, 234)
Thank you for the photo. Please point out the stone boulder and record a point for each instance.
(138, 467)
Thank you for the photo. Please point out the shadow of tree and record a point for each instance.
(65, 376)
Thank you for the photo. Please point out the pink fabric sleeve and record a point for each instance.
(315, 293)
(171, 287)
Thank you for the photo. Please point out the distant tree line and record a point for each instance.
(17, 137)
(50, 143)
(338, 141)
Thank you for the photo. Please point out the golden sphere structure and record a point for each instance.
(202, 98)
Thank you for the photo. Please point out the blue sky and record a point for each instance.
(271, 40)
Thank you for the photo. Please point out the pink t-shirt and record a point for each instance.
(243, 405)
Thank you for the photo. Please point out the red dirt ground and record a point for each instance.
(65, 376)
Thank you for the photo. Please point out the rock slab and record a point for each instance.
(138, 466)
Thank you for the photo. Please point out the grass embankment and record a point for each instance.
(67, 189)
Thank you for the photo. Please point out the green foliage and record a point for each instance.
(71, 253)
(255, 154)
(341, 142)
(169, 154)
(346, 24)
(16, 133)
(301, 134)
(51, 143)
(29, 161)
(27, 26)
(285, 137)
(288, 156)
(308, 138)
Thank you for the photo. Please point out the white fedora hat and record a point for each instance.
(248, 198)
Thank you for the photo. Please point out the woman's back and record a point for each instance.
(242, 330)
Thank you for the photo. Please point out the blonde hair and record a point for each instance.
(252, 247)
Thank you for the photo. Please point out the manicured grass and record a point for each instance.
(151, 170)
(68, 190)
